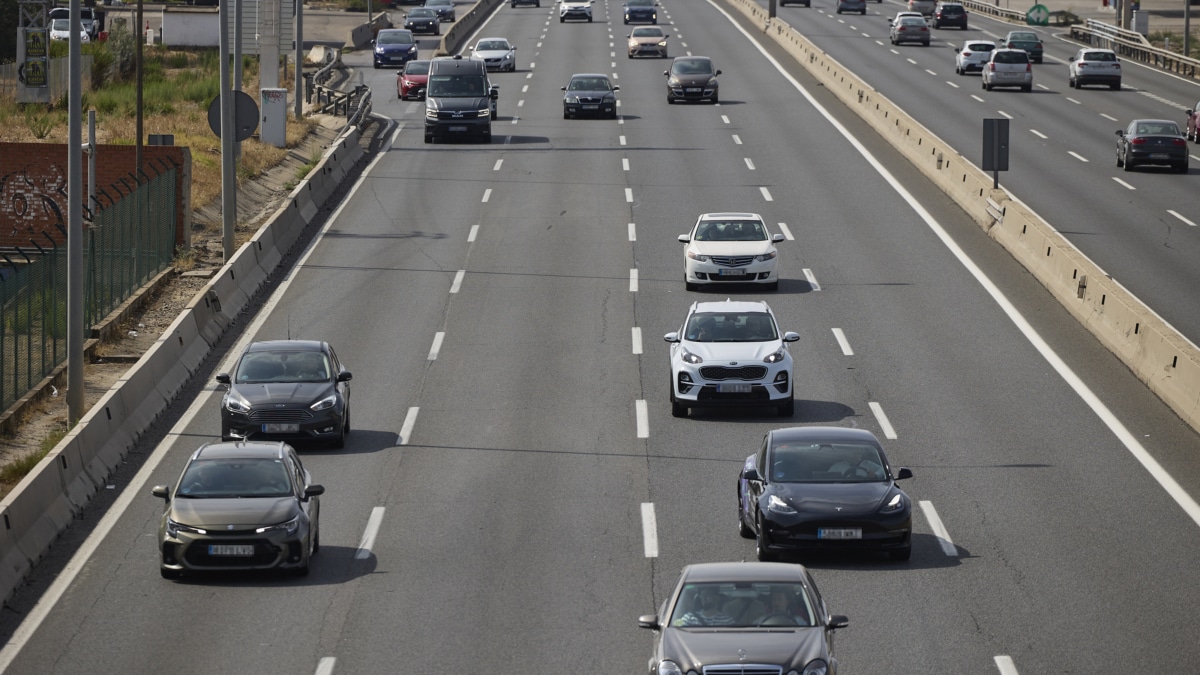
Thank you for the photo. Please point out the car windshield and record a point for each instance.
(692, 67)
(742, 605)
(1022, 37)
(439, 3)
(421, 13)
(731, 327)
(589, 84)
(394, 38)
(912, 21)
(639, 3)
(283, 366)
(826, 463)
(417, 68)
(1099, 56)
(647, 32)
(733, 230)
(1156, 129)
(61, 25)
(492, 46)
(455, 86)
(235, 478)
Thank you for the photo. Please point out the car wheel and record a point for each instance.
(957, 70)
(613, 115)
(346, 425)
(168, 574)
(901, 554)
(1128, 164)
(983, 85)
(787, 409)
(589, 19)
(1116, 86)
(1071, 83)
(715, 98)
(339, 441)
(226, 438)
(1120, 162)
(566, 115)
(670, 99)
(561, 20)
(744, 530)
(773, 286)
(864, 12)
(1027, 88)
(839, 11)
(495, 114)
(428, 138)
(760, 545)
(1182, 168)
(376, 66)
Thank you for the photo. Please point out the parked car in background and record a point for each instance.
(647, 41)
(910, 29)
(1008, 68)
(1095, 66)
(949, 14)
(1193, 124)
(973, 56)
(1027, 41)
(60, 29)
(411, 82)
(1152, 142)
(87, 20)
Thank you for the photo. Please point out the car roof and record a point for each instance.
(286, 345)
(241, 450)
(743, 571)
(732, 306)
(729, 214)
(823, 434)
(485, 39)
(578, 75)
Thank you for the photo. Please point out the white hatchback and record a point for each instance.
(731, 353)
(973, 56)
(730, 247)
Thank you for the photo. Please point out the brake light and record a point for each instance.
(1029, 67)
(992, 67)
(966, 52)
(1137, 141)
(1178, 141)
(924, 29)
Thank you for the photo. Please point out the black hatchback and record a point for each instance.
(287, 390)
(949, 14)
(692, 78)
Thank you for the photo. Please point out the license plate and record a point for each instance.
(281, 428)
(839, 533)
(231, 549)
(591, 107)
(734, 388)
(731, 273)
(692, 89)
(1159, 155)
(458, 128)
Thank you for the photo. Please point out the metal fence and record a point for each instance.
(59, 81)
(126, 245)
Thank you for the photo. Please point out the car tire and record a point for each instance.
(839, 11)
(1127, 164)
(168, 574)
(1182, 168)
(1027, 88)
(561, 20)
(773, 286)
(1120, 162)
(744, 530)
(984, 85)
(670, 99)
(760, 545)
(716, 98)
(316, 540)
(787, 409)
(589, 19)
(428, 138)
(495, 115)
(1071, 83)
(864, 12)
(1116, 86)
(901, 554)
(376, 66)
(957, 70)
(339, 441)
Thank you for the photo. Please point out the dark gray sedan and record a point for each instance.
(692, 78)
(743, 618)
(1152, 142)
(590, 94)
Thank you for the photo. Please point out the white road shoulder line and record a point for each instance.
(368, 539)
(884, 424)
(840, 336)
(939, 530)
(649, 530)
(643, 419)
(406, 428)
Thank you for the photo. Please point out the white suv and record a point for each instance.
(730, 247)
(575, 9)
(730, 353)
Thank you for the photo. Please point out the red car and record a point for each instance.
(410, 82)
(1193, 124)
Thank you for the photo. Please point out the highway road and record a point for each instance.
(515, 491)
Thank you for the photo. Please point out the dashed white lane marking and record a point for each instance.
(410, 420)
(1109, 117)
(643, 419)
(612, 64)
(633, 281)
(811, 279)
(457, 283)
(524, 89)
(893, 51)
(1073, 101)
(952, 84)
(840, 336)
(615, 75)
(1127, 185)
(766, 194)
(437, 345)
(497, 165)
(368, 539)
(1043, 87)
(1005, 114)
(749, 163)
(473, 233)
(976, 97)
(487, 194)
(528, 76)
(787, 234)
(521, 103)
(325, 665)
(532, 65)
(624, 164)
(1037, 133)
(725, 119)
(514, 121)
(911, 61)
(683, 44)
(1174, 213)
(1005, 665)
(737, 140)
(879, 42)
(629, 195)
(613, 55)
(880, 417)
(539, 45)
(931, 72)
(632, 232)
(637, 340)
(939, 530)
(866, 35)
(1077, 156)
(621, 119)
(649, 530)
(622, 138)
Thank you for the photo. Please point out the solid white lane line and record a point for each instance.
(497, 166)
(1077, 156)
(622, 140)
(939, 530)
(325, 665)
(884, 424)
(737, 139)
(649, 530)
(1124, 183)
(643, 419)
(473, 233)
(976, 98)
(1108, 117)
(437, 345)
(1037, 133)
(368, 539)
(725, 119)
(812, 279)
(1004, 113)
(842, 342)
(766, 194)
(457, 283)
(406, 427)
(624, 164)
(637, 340)
(1005, 665)
(632, 232)
(1176, 214)
(629, 195)
(1073, 101)
(487, 194)
(633, 281)
(749, 163)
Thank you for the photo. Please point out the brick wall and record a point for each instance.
(33, 186)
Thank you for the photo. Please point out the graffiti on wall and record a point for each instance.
(30, 202)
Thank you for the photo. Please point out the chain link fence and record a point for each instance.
(125, 246)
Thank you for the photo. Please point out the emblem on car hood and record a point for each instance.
(742, 655)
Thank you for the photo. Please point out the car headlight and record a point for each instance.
(816, 667)
(570, 99)
(325, 403)
(894, 504)
(766, 256)
(485, 112)
(672, 82)
(235, 403)
(669, 668)
(290, 527)
(412, 49)
(775, 358)
(175, 527)
(431, 113)
(609, 98)
(712, 82)
(777, 505)
(696, 256)
(689, 357)
(663, 43)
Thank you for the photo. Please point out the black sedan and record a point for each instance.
(823, 488)
(641, 11)
(1152, 142)
(423, 20)
(444, 9)
(591, 94)
(292, 390)
(724, 617)
(692, 78)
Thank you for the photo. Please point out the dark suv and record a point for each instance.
(460, 101)
(949, 14)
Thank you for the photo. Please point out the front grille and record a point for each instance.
(590, 99)
(742, 669)
(264, 554)
(731, 261)
(281, 415)
(733, 373)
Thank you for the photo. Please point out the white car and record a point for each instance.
(1008, 68)
(87, 19)
(1095, 66)
(60, 29)
(901, 15)
(731, 353)
(575, 9)
(496, 54)
(973, 56)
(730, 247)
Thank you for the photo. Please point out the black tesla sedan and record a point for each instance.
(823, 488)
(1152, 142)
(743, 617)
(287, 390)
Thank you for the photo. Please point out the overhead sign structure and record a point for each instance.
(1038, 15)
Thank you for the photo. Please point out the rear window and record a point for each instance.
(980, 47)
(1100, 56)
(1010, 57)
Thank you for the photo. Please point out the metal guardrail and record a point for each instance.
(359, 116)
(1134, 46)
(994, 10)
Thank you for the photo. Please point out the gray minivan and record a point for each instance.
(460, 100)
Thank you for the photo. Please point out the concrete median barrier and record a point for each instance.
(465, 26)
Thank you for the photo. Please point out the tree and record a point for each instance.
(8, 38)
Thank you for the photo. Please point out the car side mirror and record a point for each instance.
(344, 376)
(629, 36)
(372, 41)
(616, 87)
(1120, 132)
(838, 621)
(313, 491)
(889, 22)
(563, 88)
(494, 94)
(718, 71)
(791, 336)
(778, 238)
(751, 473)
(648, 621)
(685, 238)
(472, 49)
(162, 492)
(667, 73)
(905, 472)
(671, 337)
(1189, 112)
(223, 378)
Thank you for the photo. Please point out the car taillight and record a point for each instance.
(992, 67)
(924, 29)
(1029, 67)
(1178, 141)
(966, 52)
(1137, 141)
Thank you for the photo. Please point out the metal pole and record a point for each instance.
(299, 58)
(138, 67)
(74, 227)
(1187, 27)
(91, 150)
(228, 176)
(237, 62)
